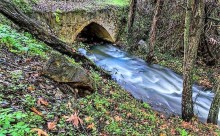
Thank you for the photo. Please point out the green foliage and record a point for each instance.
(11, 124)
(57, 15)
(29, 101)
(183, 132)
(97, 79)
(21, 43)
(17, 74)
(115, 2)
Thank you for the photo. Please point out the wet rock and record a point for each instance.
(4, 104)
(143, 45)
(62, 70)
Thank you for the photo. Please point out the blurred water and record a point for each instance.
(154, 84)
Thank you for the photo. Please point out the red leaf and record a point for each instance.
(75, 119)
(36, 111)
(40, 132)
(42, 101)
(51, 125)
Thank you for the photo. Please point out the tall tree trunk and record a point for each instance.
(214, 109)
(194, 12)
(133, 7)
(152, 34)
(10, 10)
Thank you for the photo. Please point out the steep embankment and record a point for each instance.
(29, 100)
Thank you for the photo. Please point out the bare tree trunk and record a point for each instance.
(9, 10)
(133, 7)
(191, 43)
(152, 35)
(214, 109)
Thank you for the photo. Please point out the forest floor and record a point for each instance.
(31, 104)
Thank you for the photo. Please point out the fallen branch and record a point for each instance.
(9, 10)
(214, 19)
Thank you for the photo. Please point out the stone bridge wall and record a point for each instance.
(67, 25)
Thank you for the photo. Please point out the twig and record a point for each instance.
(214, 19)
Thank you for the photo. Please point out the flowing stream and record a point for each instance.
(154, 84)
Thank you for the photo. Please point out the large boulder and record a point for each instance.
(62, 70)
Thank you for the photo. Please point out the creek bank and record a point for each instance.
(109, 111)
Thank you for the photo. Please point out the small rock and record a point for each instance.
(142, 44)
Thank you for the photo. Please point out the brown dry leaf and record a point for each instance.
(42, 101)
(117, 118)
(75, 120)
(91, 126)
(107, 122)
(51, 125)
(65, 117)
(129, 115)
(31, 88)
(173, 131)
(36, 111)
(40, 132)
(162, 134)
(73, 50)
(186, 124)
(87, 119)
(164, 126)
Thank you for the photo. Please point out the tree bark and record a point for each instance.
(9, 10)
(133, 7)
(214, 109)
(152, 35)
(192, 34)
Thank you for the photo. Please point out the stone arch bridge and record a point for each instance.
(105, 23)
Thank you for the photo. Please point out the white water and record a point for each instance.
(154, 84)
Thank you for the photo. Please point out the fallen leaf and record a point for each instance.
(186, 124)
(40, 132)
(91, 126)
(31, 88)
(51, 125)
(173, 132)
(129, 115)
(107, 122)
(42, 101)
(28, 60)
(73, 50)
(117, 118)
(87, 119)
(36, 111)
(65, 117)
(162, 134)
(75, 120)
(164, 126)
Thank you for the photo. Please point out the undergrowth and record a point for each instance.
(110, 110)
(121, 3)
(21, 43)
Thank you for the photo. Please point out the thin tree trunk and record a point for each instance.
(10, 11)
(214, 109)
(133, 7)
(191, 43)
(152, 35)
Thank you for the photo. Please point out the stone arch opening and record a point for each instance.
(94, 32)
